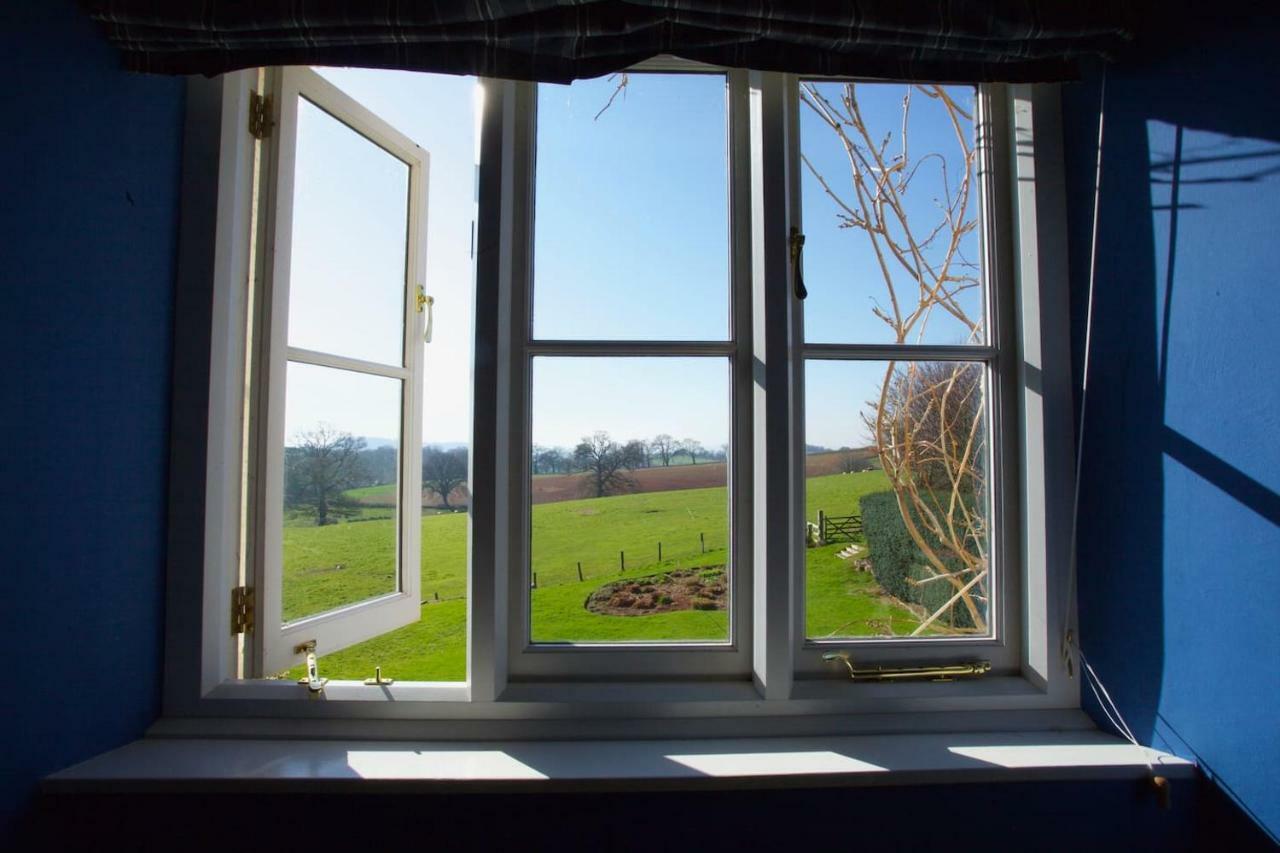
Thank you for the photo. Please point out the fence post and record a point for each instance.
(822, 528)
(702, 540)
(659, 552)
(579, 570)
(437, 595)
(535, 580)
(622, 561)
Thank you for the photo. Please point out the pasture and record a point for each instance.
(592, 532)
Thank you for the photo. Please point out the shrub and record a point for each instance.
(895, 558)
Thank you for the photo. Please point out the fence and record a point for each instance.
(629, 560)
(838, 528)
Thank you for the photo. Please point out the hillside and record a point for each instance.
(553, 488)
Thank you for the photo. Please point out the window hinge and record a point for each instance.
(241, 609)
(260, 121)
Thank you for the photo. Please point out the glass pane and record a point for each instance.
(347, 258)
(891, 197)
(341, 464)
(896, 504)
(630, 529)
(631, 239)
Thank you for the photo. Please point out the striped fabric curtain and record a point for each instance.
(562, 40)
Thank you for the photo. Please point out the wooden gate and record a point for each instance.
(838, 528)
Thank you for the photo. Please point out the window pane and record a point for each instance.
(341, 469)
(630, 531)
(883, 437)
(632, 221)
(891, 194)
(347, 258)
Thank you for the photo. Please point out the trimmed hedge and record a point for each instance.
(895, 558)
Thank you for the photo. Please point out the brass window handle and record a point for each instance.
(425, 301)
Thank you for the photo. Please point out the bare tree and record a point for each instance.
(928, 419)
(550, 460)
(321, 465)
(444, 470)
(663, 445)
(636, 453)
(694, 448)
(537, 459)
(606, 464)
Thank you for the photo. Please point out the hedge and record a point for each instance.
(895, 558)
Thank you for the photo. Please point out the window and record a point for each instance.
(904, 326)
(638, 268)
(631, 352)
(341, 364)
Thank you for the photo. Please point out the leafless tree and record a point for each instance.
(551, 460)
(663, 445)
(320, 465)
(444, 470)
(607, 465)
(928, 418)
(636, 453)
(694, 448)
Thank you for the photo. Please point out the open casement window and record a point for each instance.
(340, 358)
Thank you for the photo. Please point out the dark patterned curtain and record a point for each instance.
(561, 40)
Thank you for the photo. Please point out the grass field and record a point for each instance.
(840, 601)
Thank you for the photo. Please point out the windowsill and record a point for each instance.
(171, 765)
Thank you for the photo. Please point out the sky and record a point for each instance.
(631, 241)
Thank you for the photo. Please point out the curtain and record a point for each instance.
(562, 40)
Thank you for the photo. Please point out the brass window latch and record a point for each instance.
(425, 301)
(945, 672)
(312, 679)
(378, 680)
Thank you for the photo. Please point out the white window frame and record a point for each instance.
(683, 659)
(1002, 646)
(780, 695)
(276, 644)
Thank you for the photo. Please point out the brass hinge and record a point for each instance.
(260, 121)
(241, 609)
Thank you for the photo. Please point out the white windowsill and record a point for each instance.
(202, 765)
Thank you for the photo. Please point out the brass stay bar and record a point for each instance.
(947, 672)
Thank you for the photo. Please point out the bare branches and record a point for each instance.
(623, 79)
(607, 465)
(929, 418)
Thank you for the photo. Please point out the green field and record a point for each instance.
(326, 567)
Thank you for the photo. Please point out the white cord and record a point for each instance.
(1070, 643)
(1068, 636)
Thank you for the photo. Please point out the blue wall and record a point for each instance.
(1179, 546)
(91, 159)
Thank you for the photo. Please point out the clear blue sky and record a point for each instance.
(631, 241)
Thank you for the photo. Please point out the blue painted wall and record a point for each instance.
(1179, 549)
(88, 224)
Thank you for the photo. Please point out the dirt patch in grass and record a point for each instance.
(703, 588)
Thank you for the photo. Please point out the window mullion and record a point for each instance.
(498, 371)
(773, 527)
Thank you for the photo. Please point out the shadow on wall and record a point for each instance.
(1179, 533)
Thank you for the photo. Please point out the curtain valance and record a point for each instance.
(562, 40)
